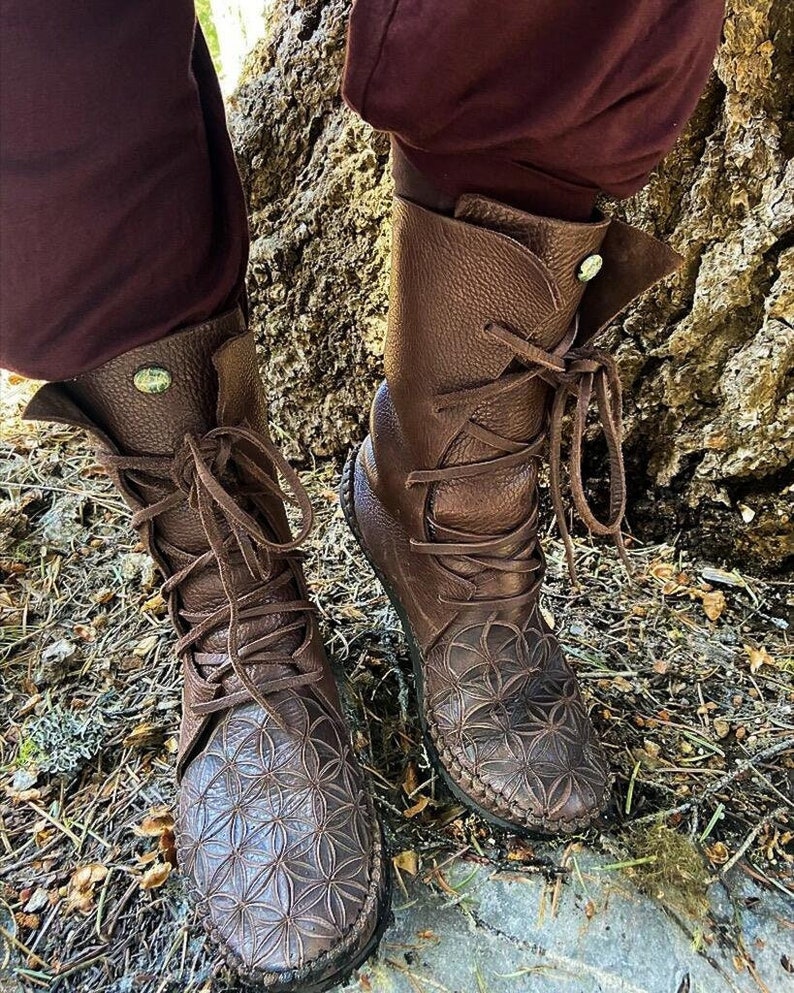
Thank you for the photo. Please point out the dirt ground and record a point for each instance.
(688, 669)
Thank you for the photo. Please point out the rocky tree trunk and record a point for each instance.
(706, 359)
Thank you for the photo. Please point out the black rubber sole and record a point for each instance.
(347, 502)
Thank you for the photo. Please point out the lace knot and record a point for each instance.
(182, 471)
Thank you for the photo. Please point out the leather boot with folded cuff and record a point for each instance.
(277, 835)
(492, 317)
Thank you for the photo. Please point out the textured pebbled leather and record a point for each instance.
(277, 834)
(443, 492)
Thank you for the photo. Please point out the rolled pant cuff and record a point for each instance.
(505, 179)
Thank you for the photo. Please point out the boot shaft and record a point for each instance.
(489, 312)
(146, 402)
(451, 278)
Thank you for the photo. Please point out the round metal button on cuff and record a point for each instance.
(152, 379)
(589, 268)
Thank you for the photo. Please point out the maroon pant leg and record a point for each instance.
(122, 216)
(542, 104)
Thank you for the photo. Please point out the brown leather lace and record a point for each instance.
(581, 373)
(196, 472)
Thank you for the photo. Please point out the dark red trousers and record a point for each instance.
(122, 213)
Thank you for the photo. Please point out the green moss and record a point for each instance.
(674, 871)
(27, 753)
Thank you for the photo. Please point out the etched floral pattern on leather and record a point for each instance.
(277, 834)
(504, 705)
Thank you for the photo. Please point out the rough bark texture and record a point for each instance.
(706, 359)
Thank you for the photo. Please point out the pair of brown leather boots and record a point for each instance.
(492, 315)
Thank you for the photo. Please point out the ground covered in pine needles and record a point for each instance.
(688, 670)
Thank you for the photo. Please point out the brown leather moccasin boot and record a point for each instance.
(489, 335)
(277, 834)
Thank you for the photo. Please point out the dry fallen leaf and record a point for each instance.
(661, 570)
(417, 808)
(747, 513)
(143, 736)
(519, 852)
(145, 645)
(713, 604)
(168, 847)
(410, 779)
(651, 748)
(24, 796)
(721, 727)
(155, 876)
(155, 604)
(718, 854)
(407, 861)
(80, 890)
(42, 831)
(153, 825)
(757, 657)
(130, 663)
(158, 824)
(12, 568)
(783, 844)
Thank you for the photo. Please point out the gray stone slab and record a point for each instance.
(499, 935)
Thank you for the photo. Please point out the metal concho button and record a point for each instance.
(590, 268)
(152, 379)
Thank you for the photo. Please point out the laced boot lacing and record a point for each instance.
(197, 472)
(580, 372)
